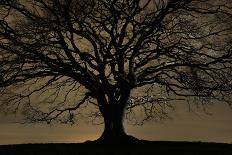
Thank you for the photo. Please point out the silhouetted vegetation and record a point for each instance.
(59, 57)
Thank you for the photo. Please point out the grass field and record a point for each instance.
(141, 148)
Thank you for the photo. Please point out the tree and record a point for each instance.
(75, 53)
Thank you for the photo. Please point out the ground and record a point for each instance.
(138, 148)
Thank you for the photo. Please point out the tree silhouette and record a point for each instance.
(59, 56)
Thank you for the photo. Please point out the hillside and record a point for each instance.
(143, 147)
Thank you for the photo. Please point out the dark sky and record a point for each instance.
(184, 126)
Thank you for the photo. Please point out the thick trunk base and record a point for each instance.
(113, 114)
(118, 139)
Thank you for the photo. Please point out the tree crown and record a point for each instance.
(105, 48)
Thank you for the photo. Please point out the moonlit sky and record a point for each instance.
(183, 126)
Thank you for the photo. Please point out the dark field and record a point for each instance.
(143, 147)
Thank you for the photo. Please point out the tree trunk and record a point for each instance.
(112, 111)
(114, 132)
(113, 119)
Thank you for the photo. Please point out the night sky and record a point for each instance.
(212, 125)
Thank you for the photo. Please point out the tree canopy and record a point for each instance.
(59, 56)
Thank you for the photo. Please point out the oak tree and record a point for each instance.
(60, 56)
